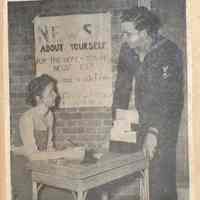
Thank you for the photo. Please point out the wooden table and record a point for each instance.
(79, 178)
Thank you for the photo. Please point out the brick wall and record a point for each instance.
(20, 59)
(83, 126)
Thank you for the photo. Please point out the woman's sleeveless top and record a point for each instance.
(41, 139)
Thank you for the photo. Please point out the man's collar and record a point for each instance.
(157, 42)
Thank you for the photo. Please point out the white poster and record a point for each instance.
(76, 50)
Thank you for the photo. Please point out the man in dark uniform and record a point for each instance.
(156, 65)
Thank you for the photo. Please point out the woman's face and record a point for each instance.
(49, 96)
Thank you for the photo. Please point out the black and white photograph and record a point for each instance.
(98, 100)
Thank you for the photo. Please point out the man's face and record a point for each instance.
(131, 36)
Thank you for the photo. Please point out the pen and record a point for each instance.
(72, 142)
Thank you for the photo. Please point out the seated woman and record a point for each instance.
(36, 125)
(36, 130)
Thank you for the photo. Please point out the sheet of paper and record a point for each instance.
(122, 125)
(129, 115)
(129, 137)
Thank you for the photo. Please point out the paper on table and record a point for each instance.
(129, 137)
(122, 125)
(129, 115)
(121, 130)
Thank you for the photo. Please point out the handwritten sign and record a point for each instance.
(76, 50)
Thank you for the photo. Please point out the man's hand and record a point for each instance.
(150, 144)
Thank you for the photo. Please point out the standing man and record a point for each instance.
(156, 65)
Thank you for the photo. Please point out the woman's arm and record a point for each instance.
(26, 128)
(72, 153)
(50, 131)
(29, 149)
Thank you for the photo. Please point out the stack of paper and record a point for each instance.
(121, 130)
(128, 115)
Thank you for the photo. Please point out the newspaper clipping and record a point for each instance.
(98, 100)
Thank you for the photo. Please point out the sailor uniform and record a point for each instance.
(159, 101)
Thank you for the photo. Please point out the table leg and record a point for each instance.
(34, 190)
(39, 187)
(141, 187)
(80, 195)
(74, 195)
(144, 179)
(104, 195)
(146, 183)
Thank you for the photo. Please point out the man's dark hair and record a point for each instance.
(143, 19)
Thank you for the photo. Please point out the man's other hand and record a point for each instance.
(150, 145)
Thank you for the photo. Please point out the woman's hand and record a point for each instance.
(150, 144)
(74, 153)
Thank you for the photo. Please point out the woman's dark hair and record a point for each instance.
(37, 86)
(143, 19)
